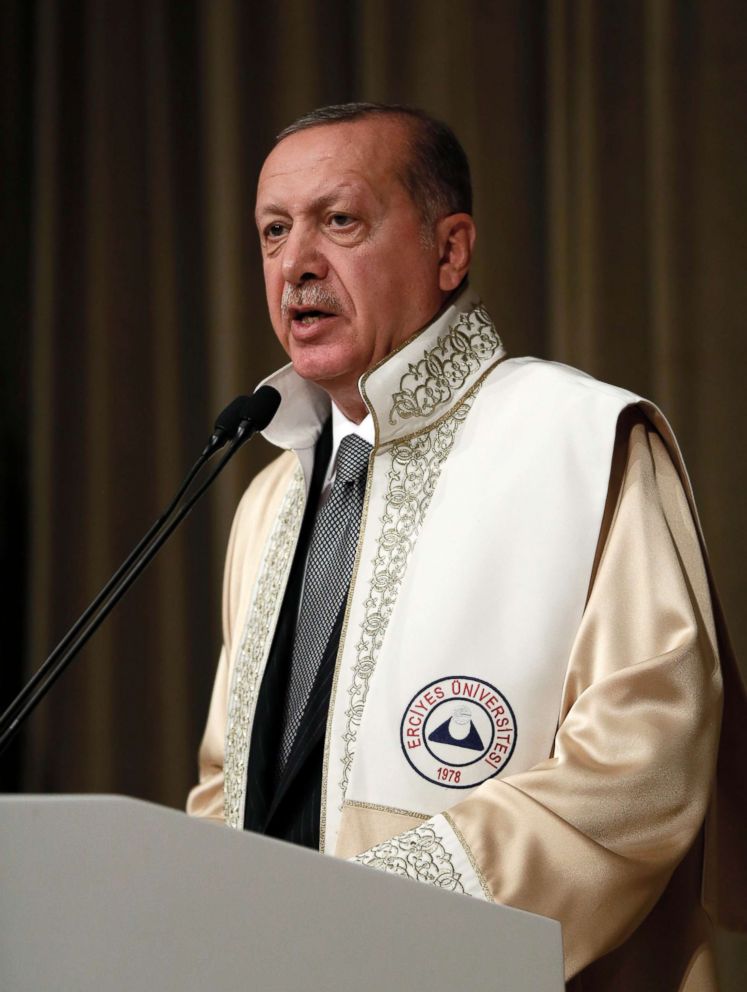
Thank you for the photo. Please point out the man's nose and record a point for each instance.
(303, 257)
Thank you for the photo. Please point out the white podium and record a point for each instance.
(116, 895)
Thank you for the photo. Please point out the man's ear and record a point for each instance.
(455, 238)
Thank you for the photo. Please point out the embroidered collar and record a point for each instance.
(413, 387)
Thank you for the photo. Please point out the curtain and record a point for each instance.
(609, 160)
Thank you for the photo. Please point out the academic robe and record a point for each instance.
(527, 694)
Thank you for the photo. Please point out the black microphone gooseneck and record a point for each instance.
(242, 418)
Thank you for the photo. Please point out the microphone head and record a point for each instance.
(244, 416)
(229, 419)
(262, 407)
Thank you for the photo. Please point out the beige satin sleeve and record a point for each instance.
(252, 523)
(591, 836)
(206, 798)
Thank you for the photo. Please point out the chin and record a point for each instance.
(329, 379)
(324, 370)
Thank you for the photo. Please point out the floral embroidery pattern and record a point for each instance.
(419, 854)
(471, 341)
(415, 468)
(255, 646)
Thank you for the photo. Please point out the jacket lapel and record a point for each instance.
(314, 720)
(260, 786)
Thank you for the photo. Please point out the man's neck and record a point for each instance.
(350, 403)
(342, 425)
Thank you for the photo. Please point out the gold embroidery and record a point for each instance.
(340, 653)
(470, 342)
(466, 348)
(255, 646)
(419, 854)
(468, 851)
(387, 809)
(415, 467)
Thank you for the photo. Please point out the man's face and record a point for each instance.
(348, 273)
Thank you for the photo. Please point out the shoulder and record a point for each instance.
(545, 405)
(252, 525)
(269, 484)
(259, 506)
(258, 510)
(563, 397)
(535, 380)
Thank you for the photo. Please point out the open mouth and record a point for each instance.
(310, 316)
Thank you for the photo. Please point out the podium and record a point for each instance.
(103, 892)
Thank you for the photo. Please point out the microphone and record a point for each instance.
(227, 422)
(242, 418)
(256, 410)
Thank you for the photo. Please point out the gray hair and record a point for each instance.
(436, 174)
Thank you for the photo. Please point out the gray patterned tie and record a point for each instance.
(329, 567)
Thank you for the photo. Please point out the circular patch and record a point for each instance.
(458, 731)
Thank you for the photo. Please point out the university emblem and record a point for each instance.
(458, 731)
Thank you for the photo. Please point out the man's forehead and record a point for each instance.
(347, 155)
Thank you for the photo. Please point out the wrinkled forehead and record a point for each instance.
(369, 152)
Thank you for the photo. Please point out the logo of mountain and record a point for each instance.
(458, 731)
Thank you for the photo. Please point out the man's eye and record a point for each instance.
(340, 220)
(275, 230)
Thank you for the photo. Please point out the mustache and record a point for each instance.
(310, 295)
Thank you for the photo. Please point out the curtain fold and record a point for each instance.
(647, 229)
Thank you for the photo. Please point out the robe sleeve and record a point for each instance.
(252, 523)
(591, 836)
(206, 799)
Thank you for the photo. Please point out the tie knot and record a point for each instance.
(352, 458)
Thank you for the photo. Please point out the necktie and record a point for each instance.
(329, 567)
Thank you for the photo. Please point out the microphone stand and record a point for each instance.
(40, 683)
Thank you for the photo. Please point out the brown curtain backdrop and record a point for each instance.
(609, 153)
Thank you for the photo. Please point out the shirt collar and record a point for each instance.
(341, 426)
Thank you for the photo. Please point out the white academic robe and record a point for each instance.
(527, 696)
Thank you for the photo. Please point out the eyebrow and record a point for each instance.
(326, 200)
(270, 208)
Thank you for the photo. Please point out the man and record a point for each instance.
(520, 697)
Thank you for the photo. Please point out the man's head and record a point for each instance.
(434, 169)
(364, 220)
